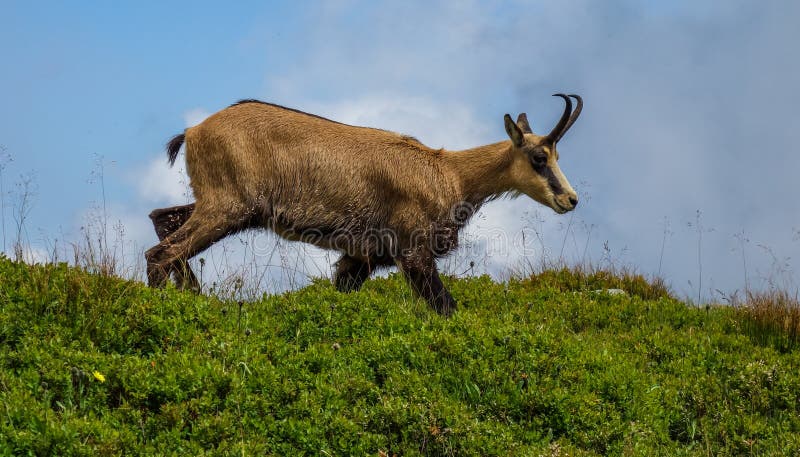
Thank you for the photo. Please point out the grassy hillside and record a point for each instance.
(92, 365)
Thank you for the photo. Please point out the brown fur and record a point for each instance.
(377, 196)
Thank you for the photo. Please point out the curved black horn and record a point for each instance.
(574, 116)
(558, 130)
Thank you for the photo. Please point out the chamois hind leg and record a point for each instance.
(203, 228)
(422, 275)
(165, 222)
(351, 272)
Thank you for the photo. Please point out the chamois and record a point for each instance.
(379, 197)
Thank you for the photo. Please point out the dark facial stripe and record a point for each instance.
(547, 173)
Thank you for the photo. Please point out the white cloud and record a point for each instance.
(160, 184)
(686, 108)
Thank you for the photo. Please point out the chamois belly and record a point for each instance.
(353, 236)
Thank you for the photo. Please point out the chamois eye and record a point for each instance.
(539, 159)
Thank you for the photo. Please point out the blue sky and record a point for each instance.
(689, 106)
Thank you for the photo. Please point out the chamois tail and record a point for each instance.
(173, 146)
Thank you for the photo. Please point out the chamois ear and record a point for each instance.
(513, 131)
(522, 123)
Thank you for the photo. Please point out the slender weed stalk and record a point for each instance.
(5, 159)
(666, 232)
(25, 194)
(740, 236)
(699, 229)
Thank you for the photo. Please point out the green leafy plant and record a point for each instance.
(542, 365)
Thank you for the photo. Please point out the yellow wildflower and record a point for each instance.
(99, 376)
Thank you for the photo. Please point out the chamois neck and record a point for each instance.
(483, 171)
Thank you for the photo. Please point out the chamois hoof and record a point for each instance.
(446, 312)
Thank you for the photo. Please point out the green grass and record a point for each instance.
(541, 366)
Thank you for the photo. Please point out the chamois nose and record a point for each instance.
(574, 201)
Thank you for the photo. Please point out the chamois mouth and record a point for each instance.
(559, 208)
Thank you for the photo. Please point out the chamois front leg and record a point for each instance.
(422, 275)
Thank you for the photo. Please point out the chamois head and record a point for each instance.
(534, 169)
